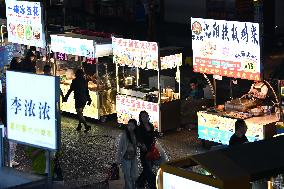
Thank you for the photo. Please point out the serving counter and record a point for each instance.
(219, 128)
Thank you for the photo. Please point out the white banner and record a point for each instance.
(25, 23)
(226, 48)
(129, 108)
(73, 46)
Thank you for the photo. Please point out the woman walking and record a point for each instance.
(146, 138)
(127, 154)
(81, 95)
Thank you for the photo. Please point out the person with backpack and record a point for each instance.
(127, 154)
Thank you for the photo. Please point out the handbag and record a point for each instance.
(153, 154)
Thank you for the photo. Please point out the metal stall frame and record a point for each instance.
(159, 129)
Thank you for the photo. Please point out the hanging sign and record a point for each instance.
(73, 46)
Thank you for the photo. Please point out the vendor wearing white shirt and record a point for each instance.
(258, 90)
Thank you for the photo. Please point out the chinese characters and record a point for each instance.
(31, 108)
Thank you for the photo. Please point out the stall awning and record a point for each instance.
(81, 45)
(259, 160)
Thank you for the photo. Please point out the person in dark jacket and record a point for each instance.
(239, 137)
(29, 63)
(146, 138)
(81, 95)
(15, 64)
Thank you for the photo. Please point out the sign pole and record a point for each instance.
(1, 149)
(48, 167)
(215, 90)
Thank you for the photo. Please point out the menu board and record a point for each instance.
(129, 108)
(25, 23)
(226, 48)
(172, 61)
(134, 53)
(33, 115)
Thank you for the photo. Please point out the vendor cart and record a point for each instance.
(240, 59)
(70, 50)
(241, 167)
(144, 82)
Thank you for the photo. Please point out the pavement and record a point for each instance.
(86, 157)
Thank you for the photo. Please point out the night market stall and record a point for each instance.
(144, 82)
(249, 166)
(73, 51)
(232, 49)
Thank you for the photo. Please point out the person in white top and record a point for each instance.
(258, 90)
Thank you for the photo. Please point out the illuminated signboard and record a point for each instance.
(172, 61)
(226, 48)
(129, 108)
(33, 109)
(171, 181)
(134, 53)
(25, 23)
(73, 46)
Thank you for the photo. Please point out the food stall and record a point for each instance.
(233, 52)
(240, 167)
(145, 81)
(73, 51)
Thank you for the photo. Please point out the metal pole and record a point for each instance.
(1, 148)
(48, 167)
(231, 89)
(137, 76)
(280, 100)
(215, 90)
(2, 35)
(179, 85)
(117, 78)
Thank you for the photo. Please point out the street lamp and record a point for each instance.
(2, 35)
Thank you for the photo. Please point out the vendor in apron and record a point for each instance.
(259, 91)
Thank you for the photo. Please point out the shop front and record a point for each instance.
(93, 55)
(234, 54)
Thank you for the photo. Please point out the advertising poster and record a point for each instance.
(171, 181)
(134, 53)
(73, 46)
(226, 48)
(32, 115)
(129, 108)
(25, 23)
